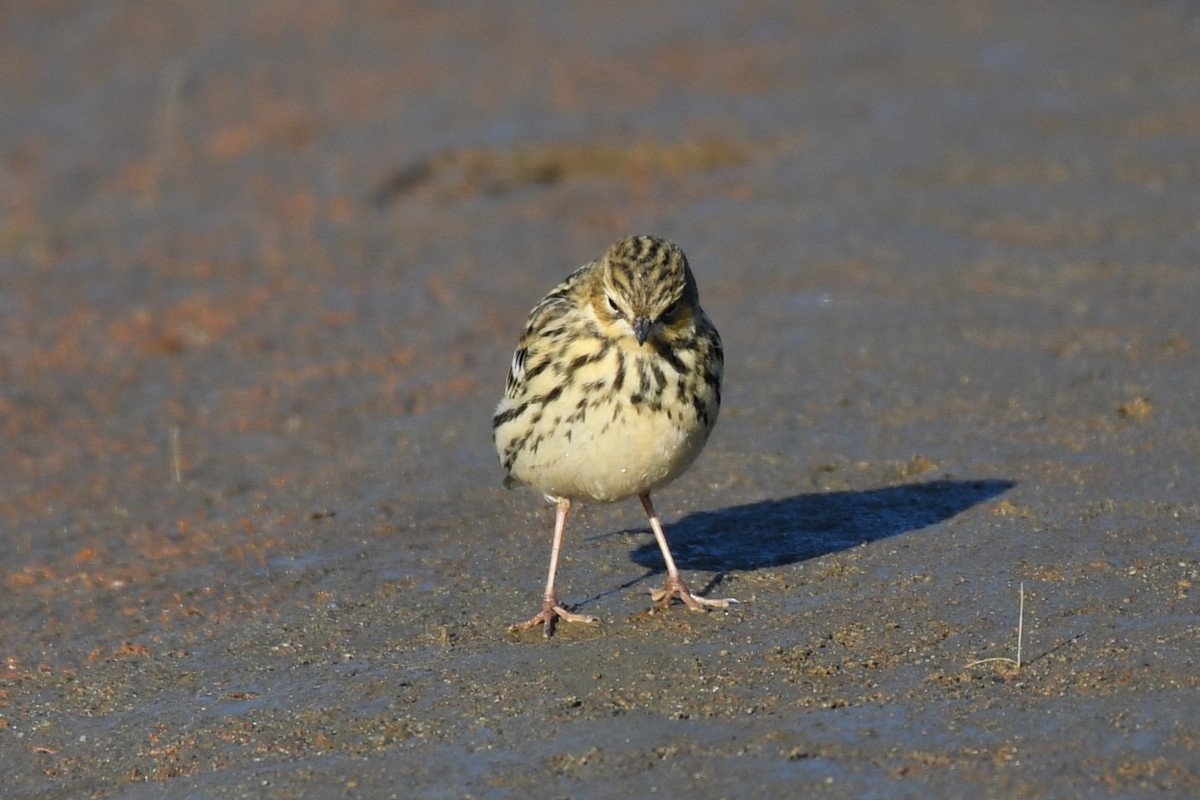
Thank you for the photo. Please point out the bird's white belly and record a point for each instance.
(610, 454)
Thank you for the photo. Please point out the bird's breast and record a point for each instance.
(614, 422)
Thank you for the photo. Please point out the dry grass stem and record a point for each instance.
(176, 462)
(1020, 638)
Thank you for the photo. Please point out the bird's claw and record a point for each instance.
(675, 587)
(549, 615)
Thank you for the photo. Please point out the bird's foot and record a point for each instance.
(550, 614)
(675, 587)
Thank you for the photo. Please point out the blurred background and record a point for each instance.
(261, 269)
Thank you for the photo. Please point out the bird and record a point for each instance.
(613, 390)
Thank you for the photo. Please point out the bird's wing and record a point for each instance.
(549, 311)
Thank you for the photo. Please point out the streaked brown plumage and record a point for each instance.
(614, 388)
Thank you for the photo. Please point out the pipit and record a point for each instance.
(613, 390)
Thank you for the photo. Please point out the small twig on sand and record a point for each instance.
(176, 465)
(1020, 638)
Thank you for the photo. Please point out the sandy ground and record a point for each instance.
(261, 270)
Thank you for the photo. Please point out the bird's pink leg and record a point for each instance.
(551, 610)
(675, 587)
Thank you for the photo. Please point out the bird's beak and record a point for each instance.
(641, 328)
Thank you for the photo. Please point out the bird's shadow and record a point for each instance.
(772, 533)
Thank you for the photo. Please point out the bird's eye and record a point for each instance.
(671, 309)
(612, 304)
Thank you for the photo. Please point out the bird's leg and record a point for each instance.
(675, 587)
(551, 610)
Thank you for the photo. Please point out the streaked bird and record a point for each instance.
(613, 390)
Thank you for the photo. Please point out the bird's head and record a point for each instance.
(645, 289)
